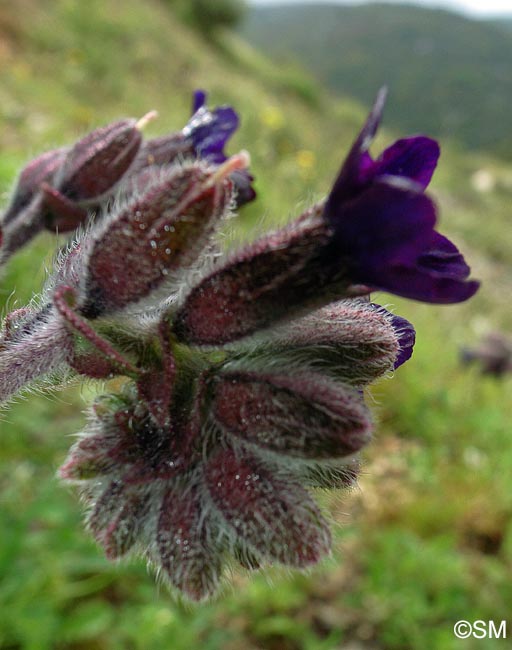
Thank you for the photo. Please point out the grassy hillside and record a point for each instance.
(448, 74)
(504, 22)
(427, 539)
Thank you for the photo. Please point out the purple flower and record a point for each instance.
(385, 225)
(209, 130)
(374, 231)
(493, 354)
(204, 136)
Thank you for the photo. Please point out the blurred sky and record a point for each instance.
(472, 7)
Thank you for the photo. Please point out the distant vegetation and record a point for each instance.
(208, 15)
(502, 23)
(448, 75)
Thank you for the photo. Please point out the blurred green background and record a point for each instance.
(426, 539)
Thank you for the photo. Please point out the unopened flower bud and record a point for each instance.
(331, 475)
(98, 161)
(277, 277)
(267, 410)
(187, 552)
(25, 216)
(272, 514)
(116, 524)
(155, 236)
(41, 169)
(354, 341)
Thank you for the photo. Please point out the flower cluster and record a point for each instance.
(244, 371)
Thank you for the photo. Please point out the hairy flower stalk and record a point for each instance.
(245, 372)
(31, 349)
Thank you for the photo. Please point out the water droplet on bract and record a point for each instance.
(153, 244)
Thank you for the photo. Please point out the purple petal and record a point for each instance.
(198, 100)
(352, 176)
(244, 190)
(384, 225)
(406, 338)
(209, 131)
(418, 285)
(444, 259)
(387, 234)
(414, 158)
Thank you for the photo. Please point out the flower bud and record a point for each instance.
(155, 236)
(116, 522)
(354, 341)
(98, 161)
(277, 277)
(187, 552)
(331, 476)
(268, 410)
(42, 168)
(271, 513)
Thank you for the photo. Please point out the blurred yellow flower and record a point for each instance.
(272, 117)
(21, 71)
(305, 159)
